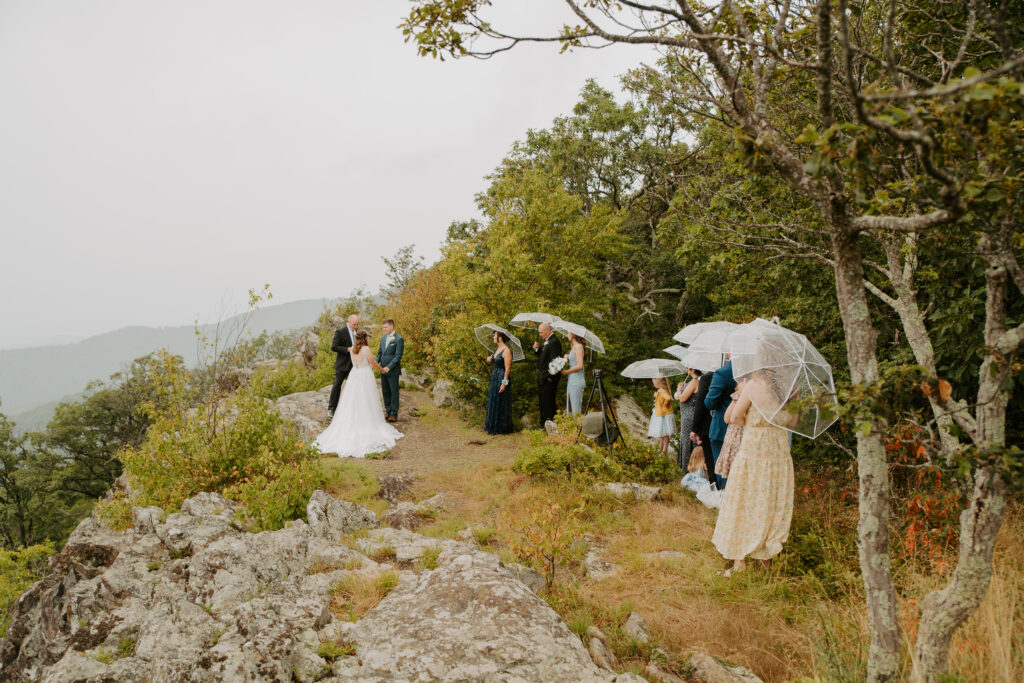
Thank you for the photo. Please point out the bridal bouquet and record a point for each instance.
(556, 366)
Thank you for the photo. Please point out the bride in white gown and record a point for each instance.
(358, 428)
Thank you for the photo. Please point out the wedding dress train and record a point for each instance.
(358, 428)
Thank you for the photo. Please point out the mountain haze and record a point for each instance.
(32, 377)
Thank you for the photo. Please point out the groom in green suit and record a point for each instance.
(390, 358)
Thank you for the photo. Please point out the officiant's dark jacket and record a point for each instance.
(548, 351)
(341, 343)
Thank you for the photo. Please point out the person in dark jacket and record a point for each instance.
(343, 340)
(717, 401)
(547, 384)
(699, 433)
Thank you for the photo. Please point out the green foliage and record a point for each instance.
(288, 378)
(115, 512)
(19, 569)
(239, 447)
(556, 456)
(541, 458)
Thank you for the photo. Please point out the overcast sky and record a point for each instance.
(160, 158)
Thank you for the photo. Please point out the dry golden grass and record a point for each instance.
(357, 594)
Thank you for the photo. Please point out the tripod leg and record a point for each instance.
(585, 411)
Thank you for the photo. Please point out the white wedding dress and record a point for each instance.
(358, 428)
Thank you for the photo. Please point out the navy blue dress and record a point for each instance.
(499, 405)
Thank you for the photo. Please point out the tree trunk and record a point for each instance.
(944, 611)
(872, 467)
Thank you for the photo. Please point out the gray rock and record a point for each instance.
(145, 520)
(444, 394)
(636, 628)
(550, 427)
(707, 670)
(630, 491)
(307, 410)
(466, 621)
(632, 417)
(659, 674)
(531, 578)
(411, 516)
(394, 486)
(601, 655)
(595, 632)
(333, 518)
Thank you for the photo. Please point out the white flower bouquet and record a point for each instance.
(556, 366)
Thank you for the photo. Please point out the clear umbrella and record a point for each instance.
(591, 339)
(533, 320)
(795, 389)
(649, 368)
(713, 336)
(705, 361)
(485, 335)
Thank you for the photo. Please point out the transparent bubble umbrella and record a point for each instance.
(564, 327)
(485, 335)
(712, 336)
(793, 387)
(649, 368)
(533, 320)
(705, 361)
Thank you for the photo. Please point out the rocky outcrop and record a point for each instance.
(195, 597)
(444, 394)
(307, 410)
(406, 515)
(632, 417)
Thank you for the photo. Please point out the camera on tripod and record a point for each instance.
(600, 426)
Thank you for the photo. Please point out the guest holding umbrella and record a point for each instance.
(505, 349)
(686, 394)
(499, 393)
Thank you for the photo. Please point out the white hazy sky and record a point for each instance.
(160, 158)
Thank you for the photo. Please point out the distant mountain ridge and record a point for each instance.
(35, 376)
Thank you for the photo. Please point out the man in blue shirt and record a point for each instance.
(717, 401)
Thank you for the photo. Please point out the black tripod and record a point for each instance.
(610, 426)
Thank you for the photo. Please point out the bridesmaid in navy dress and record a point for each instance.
(499, 394)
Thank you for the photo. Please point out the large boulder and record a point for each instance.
(465, 621)
(333, 518)
(631, 417)
(444, 394)
(307, 410)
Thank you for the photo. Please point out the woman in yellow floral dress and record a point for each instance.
(757, 505)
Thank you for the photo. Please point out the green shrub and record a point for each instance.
(643, 462)
(541, 458)
(115, 513)
(242, 449)
(280, 495)
(19, 569)
(273, 383)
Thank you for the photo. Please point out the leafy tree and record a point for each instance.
(401, 267)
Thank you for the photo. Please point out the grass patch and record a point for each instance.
(484, 535)
(384, 553)
(153, 566)
(126, 648)
(335, 648)
(356, 594)
(429, 558)
(105, 656)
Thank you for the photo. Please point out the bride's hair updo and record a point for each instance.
(361, 340)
